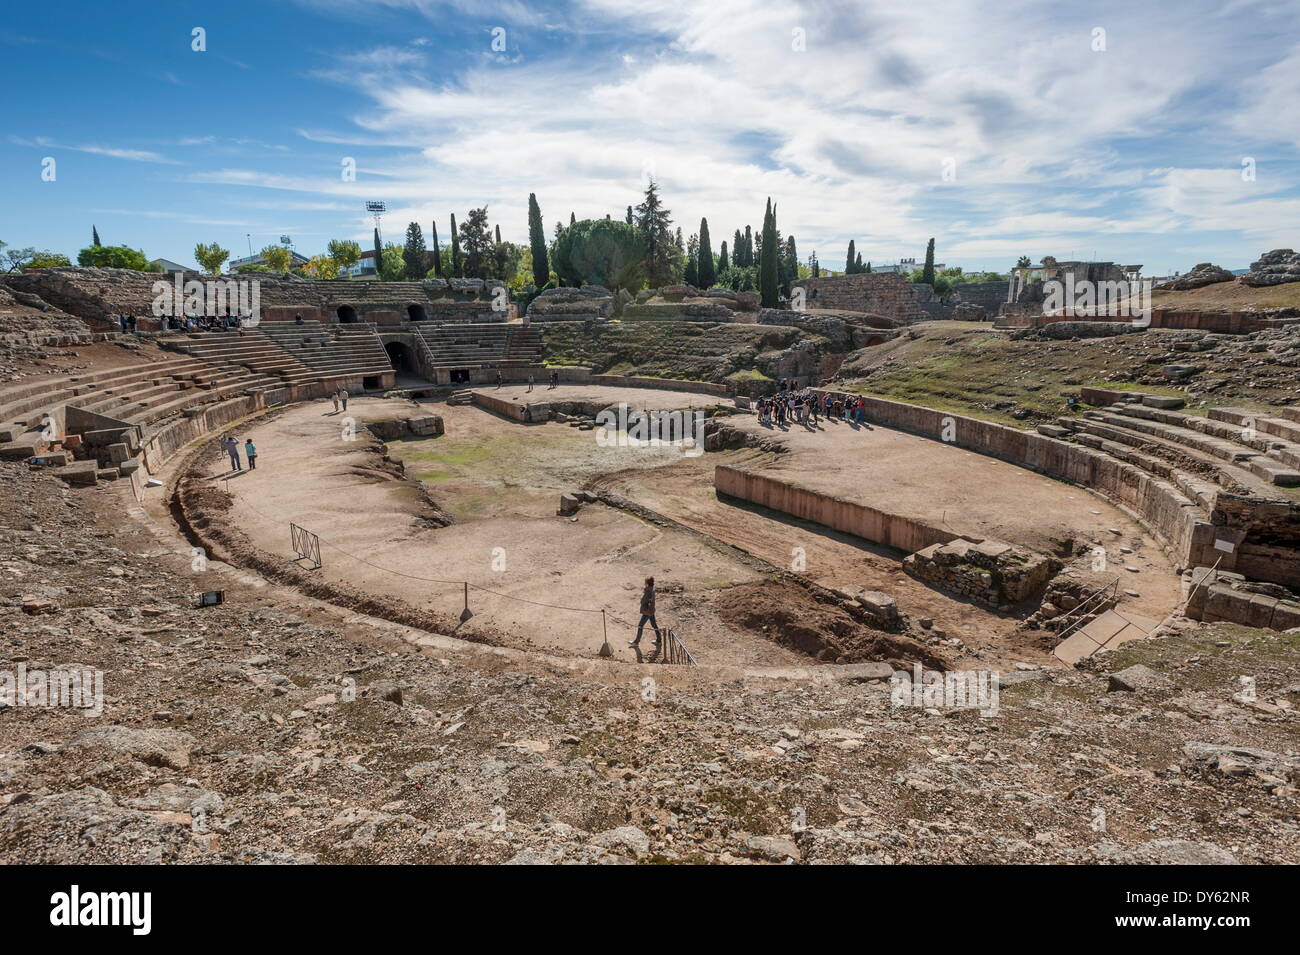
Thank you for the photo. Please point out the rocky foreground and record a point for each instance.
(267, 730)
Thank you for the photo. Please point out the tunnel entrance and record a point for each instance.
(347, 314)
(401, 357)
(416, 313)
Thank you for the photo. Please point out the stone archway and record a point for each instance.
(415, 312)
(347, 314)
(402, 358)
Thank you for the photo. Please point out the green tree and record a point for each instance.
(850, 264)
(413, 253)
(276, 258)
(654, 223)
(723, 264)
(537, 242)
(1023, 262)
(393, 268)
(476, 244)
(379, 256)
(628, 220)
(691, 275)
(321, 267)
(94, 237)
(791, 264)
(437, 250)
(457, 268)
(344, 252)
(47, 260)
(767, 265)
(706, 270)
(113, 257)
(600, 252)
(927, 273)
(211, 257)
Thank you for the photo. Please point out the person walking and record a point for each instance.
(530, 382)
(232, 448)
(647, 613)
(343, 398)
(335, 397)
(498, 379)
(250, 452)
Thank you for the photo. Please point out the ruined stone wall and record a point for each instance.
(98, 294)
(851, 517)
(879, 293)
(1229, 323)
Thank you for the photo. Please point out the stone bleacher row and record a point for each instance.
(481, 345)
(214, 366)
(298, 354)
(1228, 469)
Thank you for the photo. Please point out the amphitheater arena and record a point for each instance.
(502, 519)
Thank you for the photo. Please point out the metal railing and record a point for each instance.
(674, 651)
(1093, 603)
(306, 545)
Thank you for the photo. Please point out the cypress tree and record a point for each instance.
(537, 243)
(413, 252)
(850, 266)
(629, 215)
(437, 250)
(498, 234)
(379, 256)
(705, 271)
(573, 218)
(857, 266)
(94, 237)
(749, 248)
(927, 273)
(767, 266)
(723, 265)
(455, 250)
(791, 264)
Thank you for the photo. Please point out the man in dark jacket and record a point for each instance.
(647, 613)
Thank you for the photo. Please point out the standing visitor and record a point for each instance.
(343, 398)
(250, 452)
(647, 613)
(232, 448)
(335, 397)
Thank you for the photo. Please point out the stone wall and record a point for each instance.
(1232, 323)
(839, 514)
(991, 572)
(96, 295)
(879, 293)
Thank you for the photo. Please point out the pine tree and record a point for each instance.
(723, 264)
(94, 237)
(476, 241)
(654, 223)
(379, 256)
(927, 273)
(437, 250)
(767, 265)
(413, 252)
(455, 250)
(537, 243)
(705, 270)
(850, 265)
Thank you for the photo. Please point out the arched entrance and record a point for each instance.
(416, 313)
(402, 359)
(347, 314)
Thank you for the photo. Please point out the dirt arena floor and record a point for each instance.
(500, 481)
(647, 399)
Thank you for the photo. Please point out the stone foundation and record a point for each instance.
(991, 572)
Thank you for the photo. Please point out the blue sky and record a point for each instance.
(1116, 132)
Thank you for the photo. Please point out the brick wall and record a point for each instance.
(880, 293)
